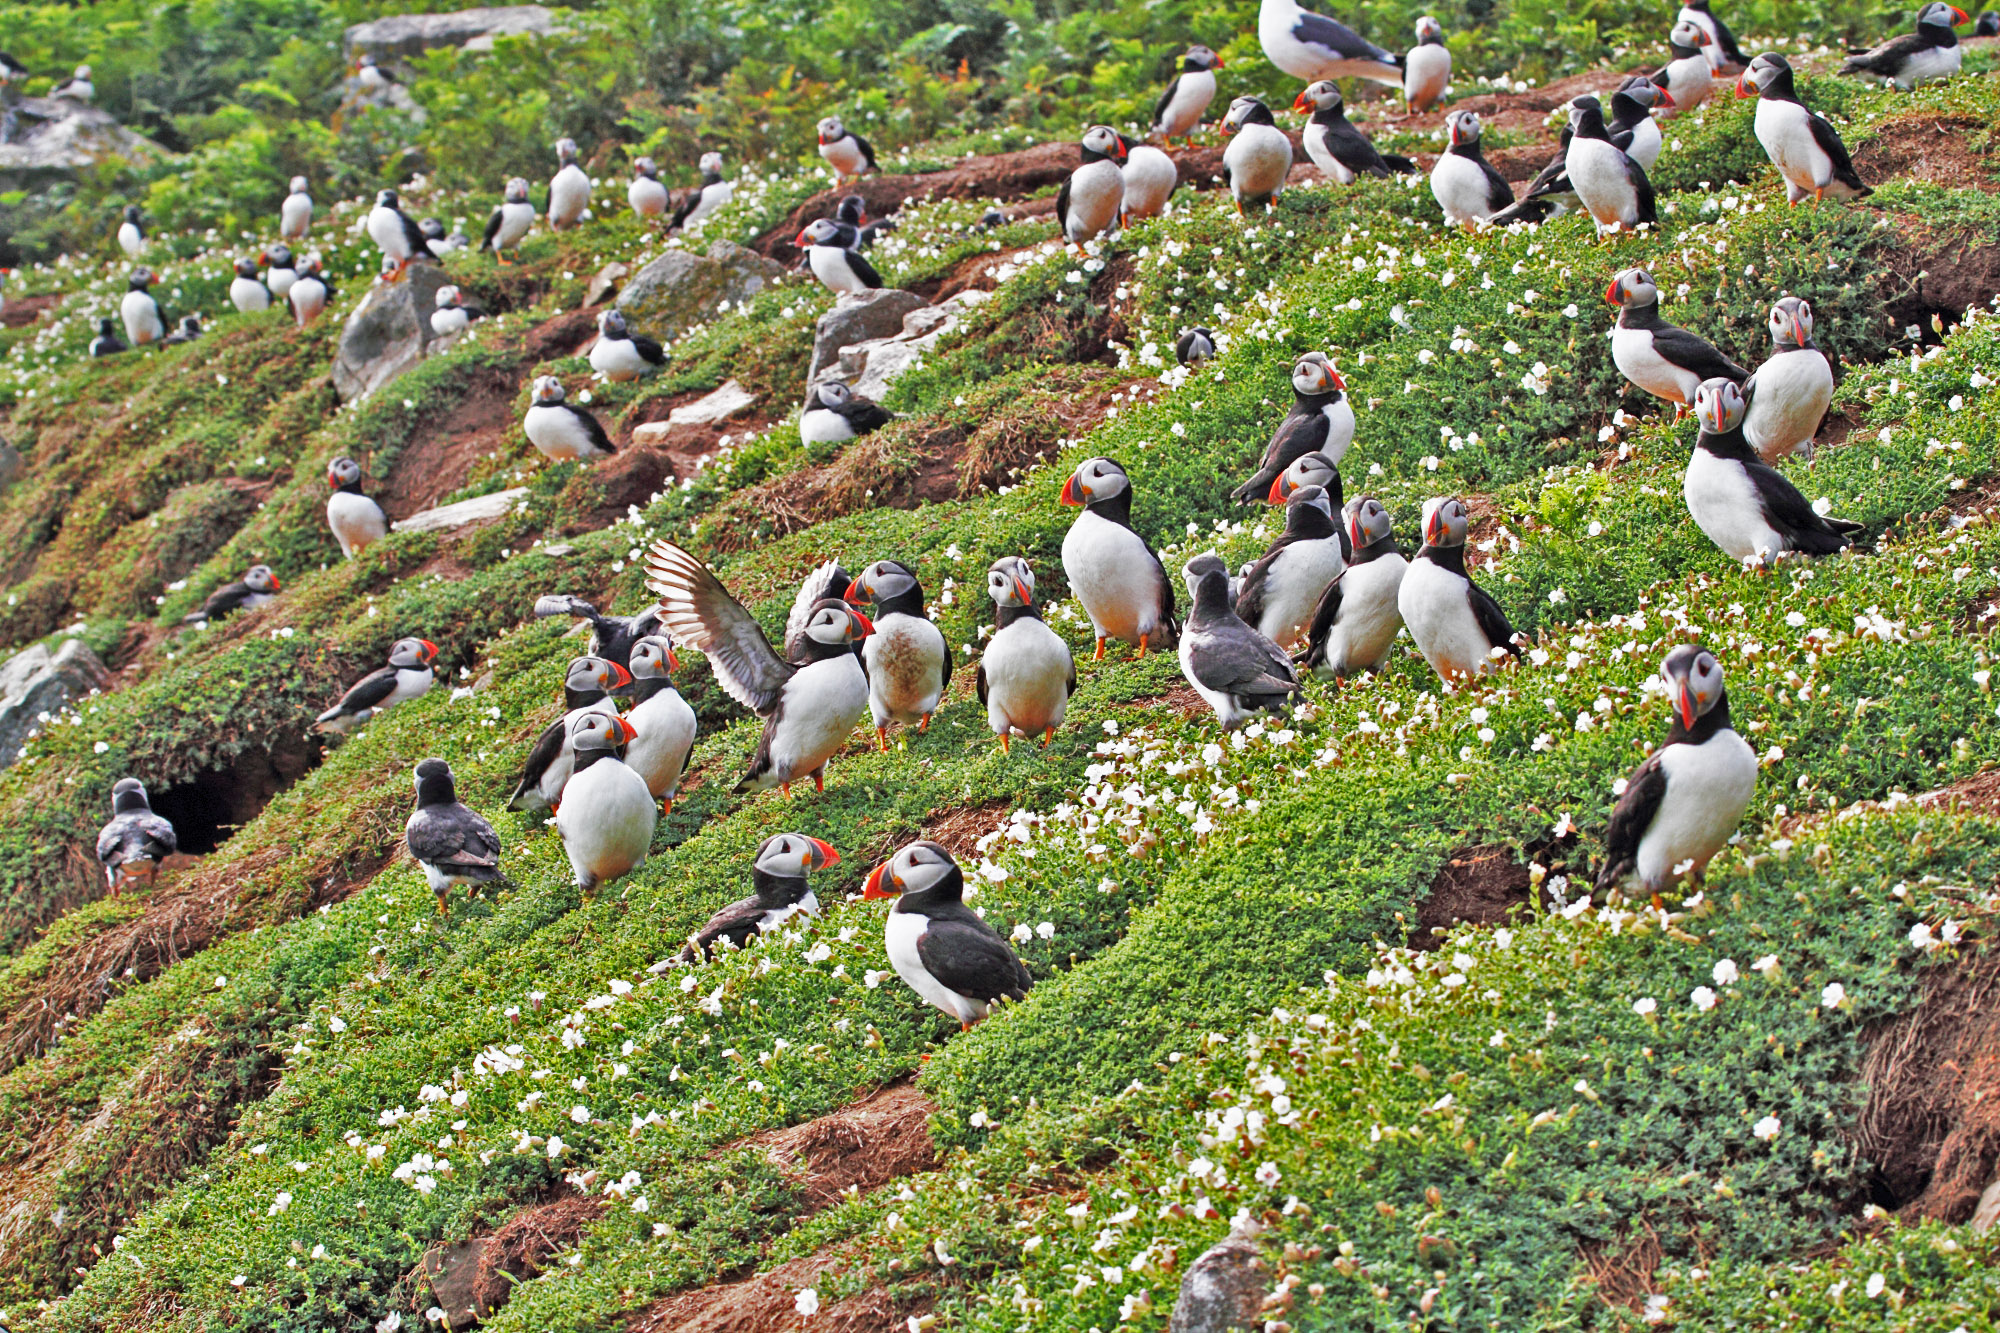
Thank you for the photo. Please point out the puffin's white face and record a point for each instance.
(1718, 405)
(611, 324)
(298, 185)
(1367, 521)
(595, 673)
(1689, 35)
(412, 653)
(447, 297)
(823, 232)
(600, 731)
(1937, 14)
(83, 72)
(342, 472)
(1095, 479)
(566, 151)
(1313, 469)
(1203, 567)
(1240, 112)
(919, 866)
(654, 658)
(517, 191)
(1314, 375)
(835, 623)
(711, 162)
(1791, 322)
(261, 579)
(1633, 287)
(1445, 522)
(1462, 127)
(1694, 681)
(1428, 27)
(1761, 74)
(881, 581)
(1010, 582)
(791, 855)
(834, 394)
(548, 391)
(1321, 96)
(831, 130)
(1104, 141)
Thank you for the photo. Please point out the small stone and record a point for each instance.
(475, 510)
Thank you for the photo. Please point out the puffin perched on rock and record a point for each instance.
(834, 412)
(1235, 669)
(133, 844)
(247, 291)
(1342, 152)
(77, 87)
(664, 724)
(646, 195)
(1463, 182)
(257, 586)
(453, 313)
(1743, 504)
(619, 354)
(611, 637)
(588, 686)
(830, 254)
(1682, 805)
(1150, 180)
(1195, 346)
(779, 892)
(1801, 143)
(1027, 673)
(1359, 616)
(1277, 594)
(1091, 201)
(942, 949)
(705, 198)
(1687, 77)
(1310, 47)
(845, 151)
(396, 234)
(1931, 52)
(1259, 156)
(1789, 394)
(1609, 183)
(132, 232)
(1114, 573)
(809, 710)
(559, 429)
(1460, 630)
(510, 222)
(409, 675)
(1426, 67)
(141, 312)
(295, 214)
(908, 661)
(607, 816)
(1187, 96)
(1666, 361)
(356, 520)
(1321, 421)
(452, 842)
(310, 292)
(569, 188)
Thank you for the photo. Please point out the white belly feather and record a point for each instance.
(1709, 786)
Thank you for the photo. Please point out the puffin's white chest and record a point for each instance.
(901, 936)
(905, 657)
(280, 281)
(617, 359)
(569, 195)
(308, 299)
(1436, 604)
(1645, 146)
(844, 156)
(1150, 178)
(356, 521)
(1292, 588)
(1639, 361)
(1318, 140)
(515, 219)
(411, 683)
(141, 314)
(1426, 71)
(1724, 504)
(1257, 161)
(818, 425)
(1785, 130)
(1192, 94)
(1794, 390)
(385, 228)
(557, 432)
(1339, 416)
(449, 320)
(666, 727)
(1460, 188)
(816, 714)
(130, 240)
(1689, 80)
(295, 216)
(1369, 616)
(1096, 193)
(778, 916)
(1597, 172)
(248, 294)
(1709, 786)
(1027, 668)
(606, 821)
(1932, 62)
(1114, 575)
(712, 197)
(830, 266)
(647, 196)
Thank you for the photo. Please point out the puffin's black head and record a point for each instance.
(566, 151)
(1198, 58)
(1314, 376)
(246, 268)
(1095, 481)
(823, 232)
(434, 783)
(611, 324)
(190, 325)
(1769, 75)
(129, 794)
(1938, 14)
(831, 130)
(278, 256)
(1791, 323)
(387, 199)
(1463, 128)
(1323, 96)
(410, 654)
(920, 867)
(107, 327)
(1640, 95)
(548, 391)
(1586, 118)
(517, 190)
(1207, 578)
(644, 169)
(832, 395)
(261, 579)
(1694, 682)
(1246, 111)
(140, 279)
(653, 658)
(833, 624)
(1429, 32)
(595, 675)
(1633, 287)
(792, 855)
(1308, 470)
(1445, 522)
(853, 210)
(1988, 25)
(343, 473)
(1367, 521)
(1101, 142)
(1010, 582)
(1308, 499)
(1719, 406)
(885, 583)
(598, 734)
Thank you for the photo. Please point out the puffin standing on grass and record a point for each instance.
(846, 152)
(830, 254)
(834, 412)
(1114, 573)
(257, 586)
(1321, 421)
(295, 214)
(1426, 67)
(1687, 78)
(1801, 143)
(607, 816)
(1259, 156)
(1195, 346)
(1091, 201)
(611, 637)
(1931, 52)
(1278, 594)
(569, 188)
(1027, 673)
(310, 293)
(908, 661)
(132, 233)
(1666, 361)
(779, 892)
(356, 520)
(409, 675)
(1150, 180)
(588, 686)
(1631, 125)
(1743, 504)
(1789, 394)
(510, 222)
(1631, 130)
(621, 355)
(664, 723)
(452, 842)
(1459, 629)
(1609, 184)
(247, 291)
(1723, 55)
(136, 840)
(143, 321)
(704, 199)
(559, 429)
(1463, 182)
(645, 194)
(1310, 47)
(1682, 805)
(942, 949)
(1358, 617)
(1234, 668)
(280, 271)
(1187, 96)
(1342, 152)
(396, 234)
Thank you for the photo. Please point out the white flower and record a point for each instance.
(806, 1303)
(1766, 1129)
(1833, 996)
(279, 1203)
(1724, 973)
(580, 1114)
(1703, 997)
(1644, 1007)
(556, 1146)
(1766, 965)
(1921, 937)
(1268, 1174)
(1876, 1282)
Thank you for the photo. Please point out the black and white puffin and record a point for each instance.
(1278, 593)
(77, 87)
(1631, 124)
(310, 293)
(942, 949)
(779, 892)
(1341, 152)
(705, 198)
(588, 686)
(1259, 155)
(1931, 52)
(509, 222)
(1631, 129)
(295, 214)
(664, 723)
(1801, 143)
(280, 270)
(1027, 673)
(257, 586)
(569, 188)
(185, 332)
(619, 354)
(107, 342)
(830, 254)
(1789, 394)
(452, 842)
(827, 581)
(908, 661)
(1459, 629)
(809, 710)
(131, 846)
(1233, 667)
(853, 212)
(611, 637)
(1187, 96)
(1723, 55)
(845, 151)
(1113, 572)
(132, 232)
(1359, 616)
(1091, 201)
(1321, 420)
(1683, 804)
(356, 520)
(1987, 24)
(437, 240)
(1426, 67)
(247, 291)
(1663, 359)
(395, 234)
(834, 412)
(140, 311)
(1687, 77)
(559, 429)
(1313, 469)
(1150, 180)
(646, 195)
(370, 80)
(1195, 346)
(1463, 182)
(1310, 47)
(12, 70)
(1609, 183)
(453, 312)
(409, 675)
(607, 816)
(1743, 504)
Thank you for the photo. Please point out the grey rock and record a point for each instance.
(476, 510)
(35, 683)
(453, 1274)
(10, 464)
(870, 367)
(55, 139)
(1224, 1289)
(388, 333)
(681, 288)
(605, 282)
(858, 319)
(475, 29)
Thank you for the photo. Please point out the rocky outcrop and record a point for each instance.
(55, 139)
(681, 288)
(859, 318)
(476, 510)
(473, 29)
(869, 367)
(1224, 1289)
(388, 333)
(36, 684)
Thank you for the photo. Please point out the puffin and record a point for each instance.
(1464, 184)
(853, 211)
(1931, 52)
(368, 76)
(356, 520)
(1550, 193)
(453, 312)
(1341, 152)
(1321, 421)
(77, 87)
(809, 710)
(185, 332)
(569, 188)
(1313, 469)
(280, 271)
(942, 949)
(1609, 184)
(135, 841)
(834, 412)
(1027, 673)
(1453, 622)
(1426, 67)
(588, 686)
(1259, 156)
(140, 312)
(1358, 616)
(1113, 572)
(1310, 47)
(452, 842)
(437, 241)
(1666, 361)
(908, 661)
(132, 233)
(399, 238)
(1988, 23)
(247, 291)
(704, 199)
(1187, 96)
(1195, 346)
(1801, 143)
(295, 214)
(645, 194)
(559, 429)
(664, 723)
(778, 892)
(1681, 806)
(1743, 504)
(1091, 201)
(257, 586)
(1687, 77)
(619, 354)
(1632, 126)
(1789, 394)
(310, 292)
(607, 816)
(107, 342)
(12, 70)
(510, 221)
(1723, 55)
(1150, 180)
(1234, 668)
(611, 637)
(847, 153)
(1278, 594)
(409, 675)
(830, 254)
(826, 582)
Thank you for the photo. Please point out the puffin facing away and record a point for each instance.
(257, 586)
(509, 222)
(607, 816)
(1259, 156)
(853, 211)
(558, 428)
(1150, 180)
(645, 194)
(621, 355)
(247, 291)
(1463, 182)
(1091, 201)
(1310, 47)
(1235, 669)
(1682, 805)
(1988, 23)
(942, 949)
(295, 215)
(1742, 503)
(1801, 143)
(132, 232)
(664, 723)
(1187, 97)
(611, 637)
(107, 342)
(1426, 67)
(1358, 617)
(830, 254)
(779, 892)
(1666, 361)
(1027, 673)
(1195, 346)
(356, 520)
(1342, 152)
(834, 412)
(136, 840)
(909, 663)
(408, 675)
(569, 188)
(1789, 394)
(141, 312)
(310, 292)
(1278, 594)
(1114, 573)
(1321, 421)
(396, 234)
(846, 152)
(588, 684)
(1460, 630)
(1931, 52)
(452, 842)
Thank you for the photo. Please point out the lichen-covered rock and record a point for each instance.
(54, 139)
(681, 287)
(475, 29)
(860, 318)
(35, 684)
(870, 367)
(388, 333)
(1224, 1289)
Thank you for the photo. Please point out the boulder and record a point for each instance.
(35, 684)
(870, 367)
(681, 288)
(1988, 1211)
(388, 333)
(476, 510)
(859, 318)
(1224, 1289)
(54, 139)
(474, 29)
(605, 282)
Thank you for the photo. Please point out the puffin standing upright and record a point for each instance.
(1931, 52)
(310, 292)
(1721, 49)
(395, 234)
(1235, 669)
(561, 430)
(1789, 394)
(942, 949)
(510, 221)
(779, 892)
(1631, 125)
(1801, 143)
(1681, 806)
(664, 724)
(452, 842)
(1359, 616)
(1464, 184)
(1426, 67)
(1609, 184)
(132, 845)
(107, 342)
(257, 586)
(569, 188)
(356, 520)
(1279, 592)
(611, 637)
(280, 271)
(834, 412)
(588, 686)
(1113, 572)
(1259, 156)
(143, 321)
(830, 254)
(1321, 420)
(908, 661)
(607, 816)
(1027, 673)
(1342, 152)
(409, 675)
(1743, 504)
(247, 291)
(1458, 628)
(295, 214)
(1631, 130)
(77, 87)
(645, 194)
(1310, 47)
(1150, 180)
(619, 354)
(704, 199)
(1688, 78)
(846, 152)
(1666, 361)
(1187, 96)
(1091, 201)
(132, 233)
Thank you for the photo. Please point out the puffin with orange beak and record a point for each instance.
(588, 685)
(830, 254)
(1111, 569)
(845, 151)
(1463, 182)
(1091, 201)
(452, 842)
(1789, 394)
(1313, 469)
(1321, 421)
(1802, 144)
(665, 724)
(1744, 505)
(1333, 143)
(941, 948)
(1278, 593)
(356, 520)
(909, 663)
(257, 586)
(1931, 52)
(1357, 617)
(1663, 359)
(1680, 807)
(607, 815)
(779, 892)
(1456, 625)
(1027, 673)
(408, 675)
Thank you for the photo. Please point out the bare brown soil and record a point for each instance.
(441, 453)
(1480, 885)
(1934, 150)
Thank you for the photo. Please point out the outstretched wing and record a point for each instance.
(1630, 819)
(561, 604)
(698, 611)
(829, 581)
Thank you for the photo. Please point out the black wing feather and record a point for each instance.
(598, 437)
(1641, 187)
(492, 229)
(1318, 30)
(867, 149)
(1492, 620)
(1297, 435)
(370, 690)
(547, 746)
(1319, 635)
(973, 960)
(1062, 207)
(1787, 509)
(1828, 139)
(1630, 819)
(1692, 352)
(736, 923)
(1166, 98)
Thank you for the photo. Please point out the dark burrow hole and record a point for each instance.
(207, 810)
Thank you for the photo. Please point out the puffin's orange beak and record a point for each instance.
(275, 585)
(1072, 494)
(1433, 528)
(822, 138)
(1279, 491)
(1218, 62)
(1961, 14)
(829, 857)
(620, 677)
(1666, 98)
(1299, 102)
(1687, 705)
(873, 888)
(673, 659)
(1335, 376)
(1742, 91)
(430, 649)
(855, 594)
(867, 625)
(625, 729)
(332, 480)
(1354, 532)
(1799, 333)
(1612, 293)
(1021, 590)
(800, 241)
